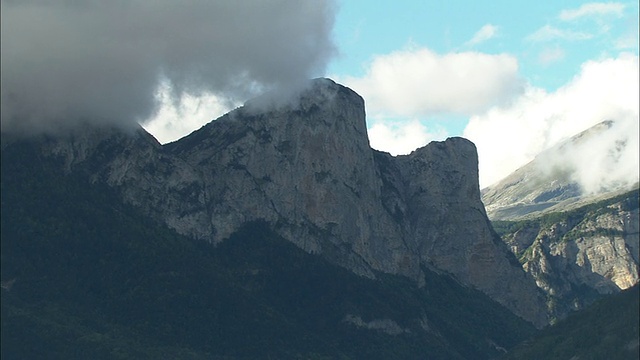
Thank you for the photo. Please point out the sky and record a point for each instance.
(514, 77)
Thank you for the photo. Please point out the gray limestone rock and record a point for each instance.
(580, 256)
(450, 229)
(305, 166)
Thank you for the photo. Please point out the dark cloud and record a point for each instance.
(67, 62)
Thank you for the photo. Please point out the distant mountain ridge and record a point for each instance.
(544, 186)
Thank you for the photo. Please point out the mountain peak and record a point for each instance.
(315, 92)
(587, 166)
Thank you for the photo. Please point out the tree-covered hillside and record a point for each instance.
(606, 330)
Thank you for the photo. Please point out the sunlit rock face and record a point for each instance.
(304, 165)
(581, 256)
(450, 228)
(578, 256)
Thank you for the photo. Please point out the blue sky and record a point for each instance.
(507, 69)
(549, 50)
(364, 29)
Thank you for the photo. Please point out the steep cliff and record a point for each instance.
(450, 229)
(306, 168)
(577, 256)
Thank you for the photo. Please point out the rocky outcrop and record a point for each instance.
(450, 229)
(306, 167)
(309, 169)
(133, 162)
(387, 326)
(577, 256)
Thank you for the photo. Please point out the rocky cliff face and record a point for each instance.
(134, 163)
(579, 255)
(307, 169)
(449, 227)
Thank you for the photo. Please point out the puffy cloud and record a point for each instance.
(177, 118)
(66, 62)
(593, 9)
(604, 159)
(485, 33)
(507, 137)
(400, 138)
(548, 32)
(419, 82)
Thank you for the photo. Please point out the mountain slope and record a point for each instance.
(579, 242)
(550, 183)
(579, 255)
(606, 330)
(309, 169)
(87, 276)
(306, 168)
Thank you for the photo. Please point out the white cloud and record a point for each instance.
(627, 42)
(608, 159)
(628, 39)
(507, 137)
(418, 82)
(176, 119)
(400, 138)
(485, 33)
(551, 55)
(548, 32)
(593, 9)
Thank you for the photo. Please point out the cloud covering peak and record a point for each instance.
(508, 137)
(70, 62)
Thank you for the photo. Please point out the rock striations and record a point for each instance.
(579, 255)
(306, 167)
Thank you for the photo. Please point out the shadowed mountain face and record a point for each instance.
(606, 330)
(85, 276)
(306, 169)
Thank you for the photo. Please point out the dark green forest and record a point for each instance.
(88, 277)
(608, 329)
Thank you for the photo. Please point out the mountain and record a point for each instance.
(606, 330)
(88, 275)
(305, 167)
(578, 245)
(580, 255)
(549, 182)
